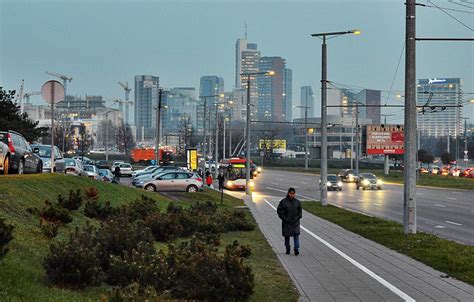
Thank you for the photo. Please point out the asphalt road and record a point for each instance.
(447, 213)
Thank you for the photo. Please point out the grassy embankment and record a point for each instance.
(22, 273)
(452, 258)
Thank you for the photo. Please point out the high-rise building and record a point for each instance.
(288, 95)
(146, 99)
(181, 110)
(238, 106)
(440, 121)
(211, 85)
(371, 100)
(247, 59)
(271, 89)
(307, 100)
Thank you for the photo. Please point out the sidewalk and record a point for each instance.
(338, 265)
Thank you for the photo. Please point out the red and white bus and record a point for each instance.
(235, 172)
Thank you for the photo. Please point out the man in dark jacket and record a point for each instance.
(290, 212)
(221, 180)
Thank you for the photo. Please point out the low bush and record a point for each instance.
(92, 193)
(140, 208)
(74, 263)
(205, 207)
(234, 221)
(49, 229)
(6, 236)
(102, 211)
(133, 293)
(54, 213)
(164, 227)
(73, 202)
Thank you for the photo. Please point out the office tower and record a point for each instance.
(146, 99)
(307, 100)
(288, 95)
(270, 104)
(437, 122)
(181, 110)
(371, 100)
(211, 85)
(246, 61)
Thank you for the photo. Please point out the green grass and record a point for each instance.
(22, 274)
(452, 258)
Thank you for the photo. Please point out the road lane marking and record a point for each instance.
(440, 205)
(280, 190)
(382, 281)
(451, 198)
(440, 227)
(456, 192)
(361, 200)
(377, 204)
(455, 223)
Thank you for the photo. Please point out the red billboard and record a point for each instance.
(385, 139)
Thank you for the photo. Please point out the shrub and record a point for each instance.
(94, 209)
(55, 214)
(92, 193)
(206, 207)
(74, 263)
(5, 237)
(140, 208)
(49, 229)
(164, 227)
(174, 209)
(73, 202)
(234, 221)
(132, 293)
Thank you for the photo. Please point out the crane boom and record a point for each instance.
(61, 76)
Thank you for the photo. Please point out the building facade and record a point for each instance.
(146, 100)
(270, 104)
(307, 100)
(246, 61)
(288, 95)
(371, 101)
(211, 85)
(440, 121)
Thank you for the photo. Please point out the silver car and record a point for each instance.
(44, 151)
(125, 169)
(92, 171)
(4, 158)
(74, 167)
(175, 181)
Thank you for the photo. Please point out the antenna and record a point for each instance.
(245, 23)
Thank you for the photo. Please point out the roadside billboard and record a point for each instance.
(385, 139)
(192, 159)
(273, 145)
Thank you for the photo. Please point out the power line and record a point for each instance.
(451, 9)
(451, 16)
(464, 5)
(396, 72)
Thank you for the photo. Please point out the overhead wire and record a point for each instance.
(396, 72)
(464, 5)
(444, 11)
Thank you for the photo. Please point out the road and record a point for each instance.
(447, 213)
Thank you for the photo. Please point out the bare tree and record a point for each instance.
(124, 138)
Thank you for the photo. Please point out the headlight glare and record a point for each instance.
(339, 183)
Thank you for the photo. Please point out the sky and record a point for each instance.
(101, 42)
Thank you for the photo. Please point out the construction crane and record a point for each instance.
(19, 96)
(126, 102)
(65, 80)
(29, 94)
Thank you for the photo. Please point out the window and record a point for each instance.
(183, 175)
(168, 176)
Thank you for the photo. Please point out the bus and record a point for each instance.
(235, 173)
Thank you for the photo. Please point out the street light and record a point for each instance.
(248, 75)
(216, 151)
(324, 151)
(305, 134)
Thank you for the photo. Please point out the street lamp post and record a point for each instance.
(158, 118)
(305, 134)
(247, 129)
(324, 151)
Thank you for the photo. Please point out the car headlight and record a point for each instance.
(365, 182)
(47, 163)
(259, 169)
(379, 182)
(229, 183)
(251, 183)
(328, 184)
(339, 183)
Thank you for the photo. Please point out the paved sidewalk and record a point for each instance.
(338, 265)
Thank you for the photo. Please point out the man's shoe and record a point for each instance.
(297, 252)
(287, 252)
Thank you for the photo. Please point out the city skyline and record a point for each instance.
(97, 54)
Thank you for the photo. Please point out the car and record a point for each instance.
(334, 183)
(116, 163)
(22, 157)
(348, 175)
(106, 175)
(154, 174)
(5, 156)
(44, 151)
(84, 160)
(368, 181)
(125, 169)
(175, 181)
(434, 170)
(92, 171)
(73, 166)
(101, 164)
(147, 170)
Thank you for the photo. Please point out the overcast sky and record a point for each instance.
(101, 42)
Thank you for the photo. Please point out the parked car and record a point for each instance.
(106, 175)
(126, 169)
(348, 175)
(369, 181)
(92, 171)
(116, 163)
(153, 175)
(74, 167)
(175, 181)
(147, 170)
(84, 160)
(22, 157)
(5, 156)
(102, 164)
(434, 170)
(44, 151)
(334, 183)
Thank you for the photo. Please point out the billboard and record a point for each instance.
(192, 159)
(385, 139)
(275, 145)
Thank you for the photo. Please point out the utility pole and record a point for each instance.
(158, 122)
(216, 152)
(357, 139)
(247, 136)
(386, 166)
(352, 142)
(409, 171)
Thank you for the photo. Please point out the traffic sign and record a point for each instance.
(466, 158)
(465, 152)
(153, 162)
(262, 154)
(52, 92)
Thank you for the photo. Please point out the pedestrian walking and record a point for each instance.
(290, 212)
(117, 174)
(221, 179)
(209, 179)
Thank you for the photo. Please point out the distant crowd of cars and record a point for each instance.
(448, 171)
(167, 178)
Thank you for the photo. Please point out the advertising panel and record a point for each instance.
(192, 159)
(275, 145)
(388, 139)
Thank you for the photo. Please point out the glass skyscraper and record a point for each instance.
(146, 99)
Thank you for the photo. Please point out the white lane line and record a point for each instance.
(456, 192)
(377, 204)
(440, 227)
(440, 205)
(361, 200)
(382, 281)
(455, 223)
(286, 191)
(451, 198)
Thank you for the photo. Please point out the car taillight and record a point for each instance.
(199, 179)
(70, 170)
(10, 144)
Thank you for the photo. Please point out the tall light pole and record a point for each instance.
(158, 123)
(247, 129)
(216, 152)
(324, 150)
(305, 134)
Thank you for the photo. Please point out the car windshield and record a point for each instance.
(44, 151)
(368, 175)
(89, 168)
(332, 178)
(125, 166)
(103, 172)
(69, 162)
(3, 138)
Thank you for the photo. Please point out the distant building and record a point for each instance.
(371, 100)
(211, 85)
(438, 122)
(307, 100)
(146, 98)
(246, 61)
(181, 110)
(238, 107)
(288, 95)
(271, 89)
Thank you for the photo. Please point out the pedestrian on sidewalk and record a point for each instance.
(221, 180)
(208, 179)
(290, 212)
